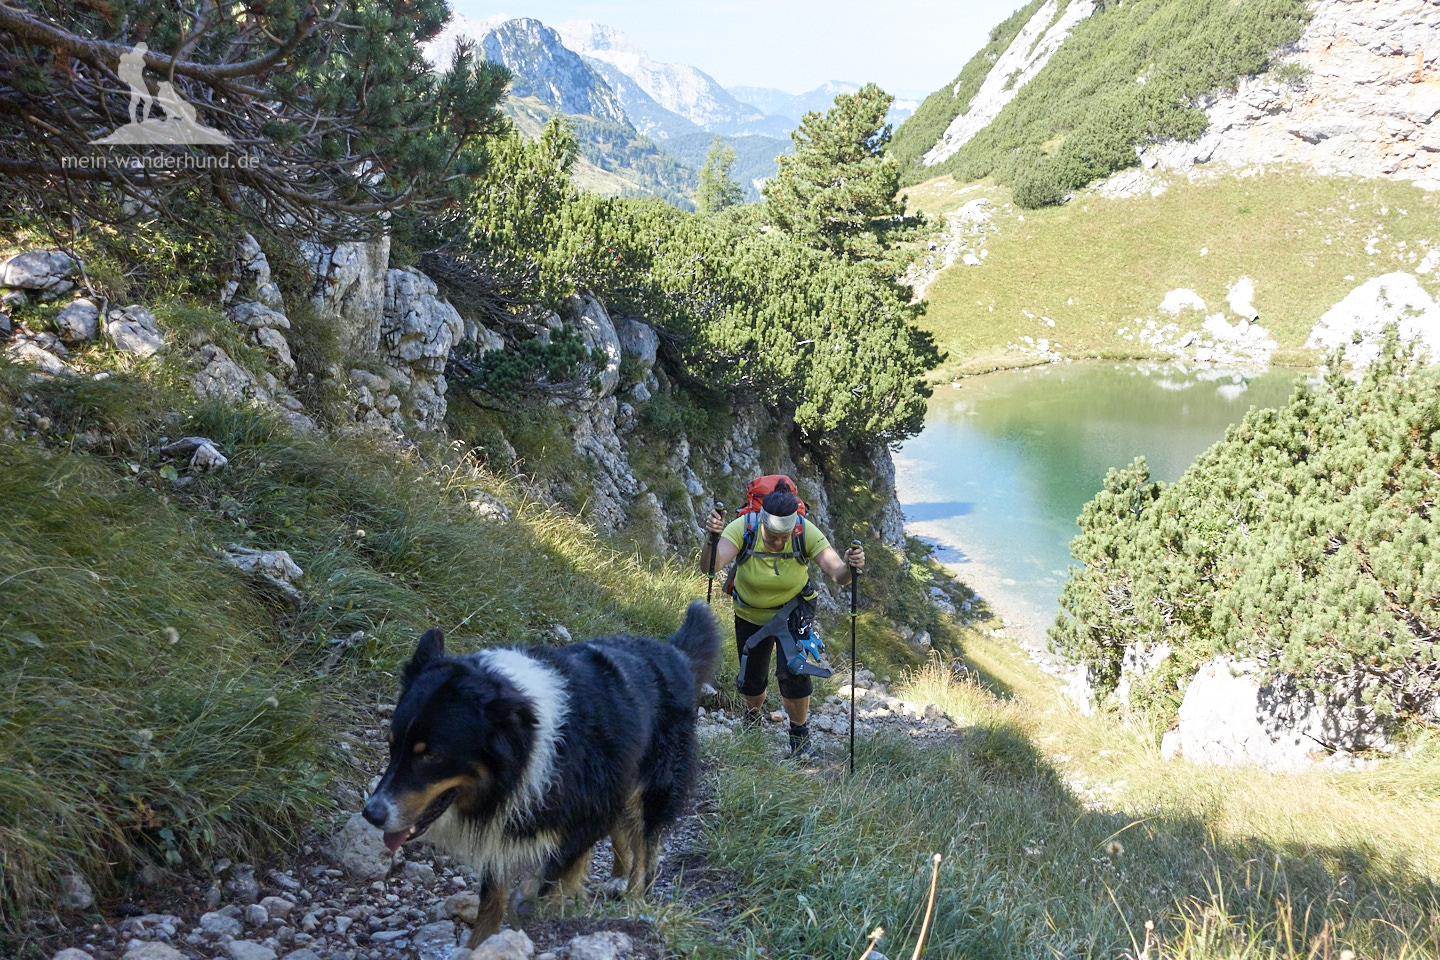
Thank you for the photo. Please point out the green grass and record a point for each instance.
(123, 744)
(1222, 863)
(1095, 265)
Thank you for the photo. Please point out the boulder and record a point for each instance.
(350, 289)
(361, 851)
(1233, 714)
(639, 342)
(594, 326)
(418, 330)
(46, 270)
(31, 354)
(78, 321)
(133, 329)
(72, 953)
(1367, 310)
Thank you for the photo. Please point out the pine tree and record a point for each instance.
(332, 115)
(718, 188)
(838, 190)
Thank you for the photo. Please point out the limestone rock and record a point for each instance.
(30, 354)
(595, 328)
(78, 321)
(463, 906)
(77, 893)
(72, 953)
(640, 343)
(1366, 105)
(248, 950)
(350, 289)
(220, 377)
(418, 331)
(360, 851)
(1136, 663)
(276, 569)
(608, 945)
(217, 924)
(435, 941)
(133, 329)
(277, 907)
(1396, 298)
(1232, 715)
(505, 945)
(46, 270)
(152, 950)
(255, 316)
(1031, 49)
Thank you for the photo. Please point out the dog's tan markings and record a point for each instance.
(412, 803)
(632, 853)
(390, 738)
(492, 911)
(420, 746)
(572, 881)
(482, 773)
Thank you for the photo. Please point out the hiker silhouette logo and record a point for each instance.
(179, 126)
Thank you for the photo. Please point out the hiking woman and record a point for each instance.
(774, 572)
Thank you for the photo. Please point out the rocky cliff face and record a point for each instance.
(1359, 96)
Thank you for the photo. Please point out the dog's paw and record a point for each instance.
(612, 889)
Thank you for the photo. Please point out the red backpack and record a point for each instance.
(755, 492)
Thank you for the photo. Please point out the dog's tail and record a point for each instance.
(699, 639)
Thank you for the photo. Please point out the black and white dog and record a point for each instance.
(521, 760)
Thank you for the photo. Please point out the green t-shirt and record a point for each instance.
(766, 584)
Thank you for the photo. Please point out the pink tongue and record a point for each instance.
(394, 840)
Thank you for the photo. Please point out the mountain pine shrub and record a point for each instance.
(1305, 539)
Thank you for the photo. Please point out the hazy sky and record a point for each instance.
(911, 46)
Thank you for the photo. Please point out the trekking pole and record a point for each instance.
(714, 543)
(854, 596)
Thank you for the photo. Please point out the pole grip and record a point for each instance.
(714, 544)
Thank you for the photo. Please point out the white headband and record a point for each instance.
(776, 524)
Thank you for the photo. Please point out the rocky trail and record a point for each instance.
(346, 897)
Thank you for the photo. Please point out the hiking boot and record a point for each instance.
(802, 747)
(753, 720)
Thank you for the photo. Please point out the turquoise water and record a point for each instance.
(1007, 460)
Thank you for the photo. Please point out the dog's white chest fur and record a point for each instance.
(486, 846)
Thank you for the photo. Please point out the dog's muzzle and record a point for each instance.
(378, 810)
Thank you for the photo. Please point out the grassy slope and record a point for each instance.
(1095, 265)
(109, 745)
(1234, 863)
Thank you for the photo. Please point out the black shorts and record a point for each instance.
(756, 677)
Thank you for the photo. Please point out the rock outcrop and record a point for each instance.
(1233, 714)
(1358, 322)
(1361, 97)
(350, 289)
(418, 330)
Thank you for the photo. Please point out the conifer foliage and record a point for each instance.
(718, 188)
(331, 114)
(754, 313)
(1305, 539)
(838, 191)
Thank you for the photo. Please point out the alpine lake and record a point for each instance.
(1007, 460)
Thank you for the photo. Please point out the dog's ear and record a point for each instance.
(511, 720)
(430, 648)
